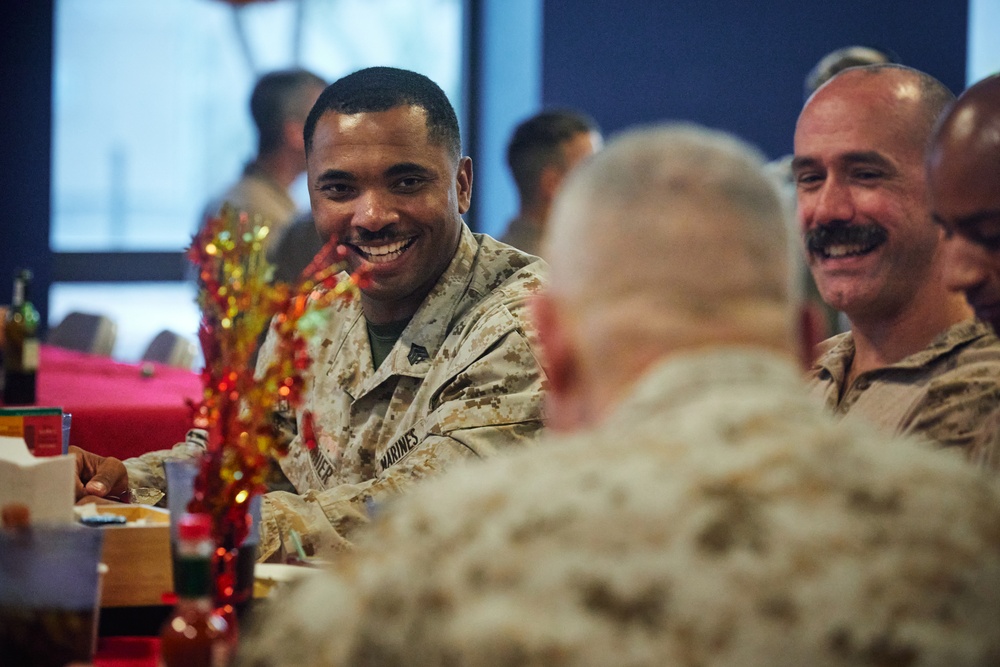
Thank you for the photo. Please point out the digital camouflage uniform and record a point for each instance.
(987, 455)
(947, 392)
(462, 381)
(719, 516)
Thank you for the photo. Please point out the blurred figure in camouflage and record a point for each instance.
(701, 508)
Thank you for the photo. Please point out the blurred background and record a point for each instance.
(121, 118)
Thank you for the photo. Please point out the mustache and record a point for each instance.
(818, 239)
(388, 234)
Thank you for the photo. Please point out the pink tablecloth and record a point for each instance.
(117, 409)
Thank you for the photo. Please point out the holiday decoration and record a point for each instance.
(238, 300)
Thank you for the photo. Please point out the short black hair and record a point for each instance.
(537, 143)
(277, 97)
(382, 88)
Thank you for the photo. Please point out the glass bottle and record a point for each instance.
(195, 634)
(20, 345)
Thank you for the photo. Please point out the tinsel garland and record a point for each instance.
(238, 300)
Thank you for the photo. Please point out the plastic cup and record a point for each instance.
(181, 474)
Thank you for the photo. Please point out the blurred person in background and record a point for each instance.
(836, 61)
(296, 249)
(541, 152)
(279, 104)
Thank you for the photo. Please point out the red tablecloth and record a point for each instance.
(127, 652)
(117, 409)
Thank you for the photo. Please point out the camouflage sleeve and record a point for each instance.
(986, 453)
(958, 412)
(146, 477)
(492, 404)
(495, 400)
(322, 521)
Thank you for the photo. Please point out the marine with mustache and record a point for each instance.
(915, 360)
(435, 363)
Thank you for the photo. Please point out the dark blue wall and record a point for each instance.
(25, 145)
(736, 65)
(732, 64)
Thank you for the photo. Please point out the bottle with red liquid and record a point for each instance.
(196, 634)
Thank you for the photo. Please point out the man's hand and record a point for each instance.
(98, 478)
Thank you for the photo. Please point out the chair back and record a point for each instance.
(171, 349)
(85, 332)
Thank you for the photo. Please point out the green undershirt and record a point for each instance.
(382, 337)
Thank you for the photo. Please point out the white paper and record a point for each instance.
(44, 484)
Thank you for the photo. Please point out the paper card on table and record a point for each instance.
(44, 484)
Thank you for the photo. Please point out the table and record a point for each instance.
(118, 410)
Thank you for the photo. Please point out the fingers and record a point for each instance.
(80, 457)
(78, 490)
(109, 479)
(98, 475)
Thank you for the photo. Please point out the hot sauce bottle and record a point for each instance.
(196, 634)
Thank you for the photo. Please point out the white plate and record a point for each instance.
(269, 577)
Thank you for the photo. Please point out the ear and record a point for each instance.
(812, 331)
(463, 184)
(292, 132)
(560, 363)
(549, 180)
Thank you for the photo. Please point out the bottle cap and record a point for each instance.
(194, 527)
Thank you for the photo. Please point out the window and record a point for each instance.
(151, 121)
(984, 49)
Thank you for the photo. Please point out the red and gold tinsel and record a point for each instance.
(238, 300)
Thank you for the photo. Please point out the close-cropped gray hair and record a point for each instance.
(673, 217)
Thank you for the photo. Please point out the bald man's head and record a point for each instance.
(670, 238)
(963, 171)
(861, 192)
(932, 95)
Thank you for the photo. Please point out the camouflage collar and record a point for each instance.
(423, 336)
(683, 378)
(840, 353)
